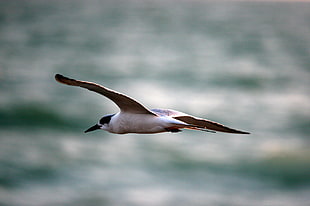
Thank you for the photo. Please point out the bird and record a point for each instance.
(134, 117)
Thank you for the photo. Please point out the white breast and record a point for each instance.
(122, 123)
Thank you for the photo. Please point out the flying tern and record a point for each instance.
(133, 117)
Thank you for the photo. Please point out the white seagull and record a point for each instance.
(136, 118)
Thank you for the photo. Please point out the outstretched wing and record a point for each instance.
(125, 103)
(197, 122)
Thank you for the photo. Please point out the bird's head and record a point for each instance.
(102, 124)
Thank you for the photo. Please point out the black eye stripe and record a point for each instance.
(106, 119)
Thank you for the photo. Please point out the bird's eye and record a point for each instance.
(105, 120)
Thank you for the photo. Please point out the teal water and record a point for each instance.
(246, 65)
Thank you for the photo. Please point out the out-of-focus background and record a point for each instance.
(244, 64)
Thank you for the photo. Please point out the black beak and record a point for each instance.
(92, 128)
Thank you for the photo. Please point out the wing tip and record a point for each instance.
(60, 78)
(65, 80)
(241, 132)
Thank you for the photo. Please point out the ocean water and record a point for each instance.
(244, 64)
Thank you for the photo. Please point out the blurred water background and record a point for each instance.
(244, 64)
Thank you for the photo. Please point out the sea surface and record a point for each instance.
(243, 64)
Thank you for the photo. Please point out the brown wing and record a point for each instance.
(198, 122)
(125, 103)
(207, 124)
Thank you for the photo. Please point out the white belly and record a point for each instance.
(123, 123)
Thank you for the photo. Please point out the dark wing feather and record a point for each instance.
(207, 124)
(125, 103)
(197, 122)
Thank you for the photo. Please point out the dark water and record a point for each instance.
(243, 64)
